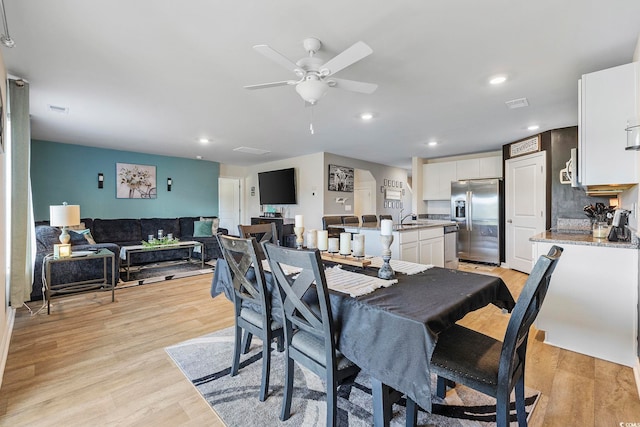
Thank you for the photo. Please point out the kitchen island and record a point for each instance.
(419, 241)
(592, 303)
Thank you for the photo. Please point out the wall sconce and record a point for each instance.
(100, 180)
(169, 182)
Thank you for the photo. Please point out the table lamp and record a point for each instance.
(63, 216)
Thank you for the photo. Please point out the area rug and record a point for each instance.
(206, 362)
(158, 272)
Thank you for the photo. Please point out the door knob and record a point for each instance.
(509, 221)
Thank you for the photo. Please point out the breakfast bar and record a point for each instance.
(592, 303)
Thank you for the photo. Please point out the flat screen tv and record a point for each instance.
(277, 187)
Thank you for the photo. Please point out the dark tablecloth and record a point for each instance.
(391, 332)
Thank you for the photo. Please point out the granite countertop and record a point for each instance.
(573, 238)
(408, 226)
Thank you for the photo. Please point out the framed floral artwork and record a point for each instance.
(135, 181)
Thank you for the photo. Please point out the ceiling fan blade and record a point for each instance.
(272, 84)
(279, 58)
(350, 56)
(353, 85)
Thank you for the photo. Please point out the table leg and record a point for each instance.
(47, 292)
(383, 398)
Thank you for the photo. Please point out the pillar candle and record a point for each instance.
(323, 240)
(312, 239)
(333, 244)
(345, 243)
(386, 227)
(358, 245)
(299, 222)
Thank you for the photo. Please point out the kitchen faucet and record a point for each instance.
(402, 218)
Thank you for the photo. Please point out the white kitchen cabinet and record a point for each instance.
(408, 244)
(607, 100)
(436, 180)
(431, 246)
(479, 168)
(490, 167)
(592, 302)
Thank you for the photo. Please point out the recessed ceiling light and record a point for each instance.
(366, 116)
(199, 157)
(533, 127)
(204, 140)
(432, 143)
(498, 80)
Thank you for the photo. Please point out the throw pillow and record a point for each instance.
(80, 226)
(81, 237)
(215, 224)
(202, 228)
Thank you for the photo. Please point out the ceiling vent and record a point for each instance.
(250, 150)
(517, 103)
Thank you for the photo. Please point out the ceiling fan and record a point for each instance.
(314, 78)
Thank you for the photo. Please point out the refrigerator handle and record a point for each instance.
(469, 212)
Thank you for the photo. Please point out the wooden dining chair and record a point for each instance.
(350, 220)
(486, 364)
(385, 217)
(262, 233)
(369, 219)
(332, 220)
(308, 329)
(250, 292)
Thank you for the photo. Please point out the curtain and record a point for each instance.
(22, 235)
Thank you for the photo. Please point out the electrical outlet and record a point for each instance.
(347, 208)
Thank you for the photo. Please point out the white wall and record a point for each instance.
(309, 172)
(6, 313)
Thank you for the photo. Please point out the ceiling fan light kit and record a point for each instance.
(313, 74)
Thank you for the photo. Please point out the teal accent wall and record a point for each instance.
(69, 173)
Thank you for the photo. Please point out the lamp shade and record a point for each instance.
(64, 215)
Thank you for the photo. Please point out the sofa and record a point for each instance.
(112, 234)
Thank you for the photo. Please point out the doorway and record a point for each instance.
(364, 194)
(229, 210)
(525, 213)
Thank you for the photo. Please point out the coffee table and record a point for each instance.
(126, 251)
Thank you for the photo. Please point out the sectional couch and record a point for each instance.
(113, 234)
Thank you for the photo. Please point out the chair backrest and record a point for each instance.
(263, 233)
(247, 274)
(514, 346)
(385, 217)
(350, 220)
(332, 220)
(302, 313)
(369, 219)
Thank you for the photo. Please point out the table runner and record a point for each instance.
(399, 266)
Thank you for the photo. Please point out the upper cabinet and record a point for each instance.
(607, 100)
(479, 168)
(436, 180)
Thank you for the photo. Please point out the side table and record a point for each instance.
(82, 286)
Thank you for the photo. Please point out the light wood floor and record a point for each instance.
(93, 362)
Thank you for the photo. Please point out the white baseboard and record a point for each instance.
(6, 340)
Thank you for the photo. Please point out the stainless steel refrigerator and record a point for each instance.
(475, 207)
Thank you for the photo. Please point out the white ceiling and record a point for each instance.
(154, 76)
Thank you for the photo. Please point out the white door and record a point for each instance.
(229, 204)
(525, 215)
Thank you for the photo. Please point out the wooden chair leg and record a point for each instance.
(236, 351)
(288, 390)
(266, 363)
(412, 413)
(502, 409)
(246, 341)
(520, 404)
(332, 400)
(441, 387)
(280, 341)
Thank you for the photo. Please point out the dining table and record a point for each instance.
(391, 332)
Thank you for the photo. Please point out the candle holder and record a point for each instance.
(386, 272)
(299, 240)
